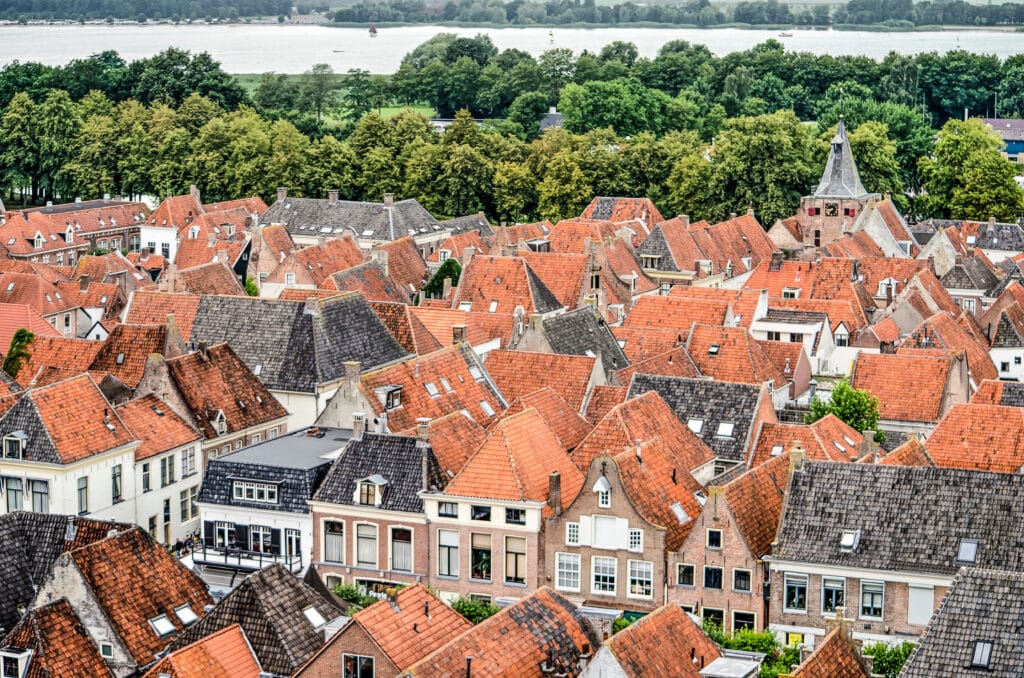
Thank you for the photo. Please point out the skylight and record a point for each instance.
(713, 349)
(982, 656)
(695, 425)
(493, 306)
(776, 450)
(314, 617)
(120, 359)
(368, 232)
(849, 441)
(475, 372)
(186, 615)
(486, 407)
(465, 305)
(446, 385)
(968, 551)
(725, 429)
(849, 540)
(162, 626)
(431, 389)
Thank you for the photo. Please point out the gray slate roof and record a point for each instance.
(969, 274)
(470, 222)
(396, 458)
(1013, 394)
(841, 178)
(713, 402)
(785, 315)
(24, 417)
(290, 348)
(585, 332)
(269, 607)
(655, 245)
(544, 299)
(1007, 335)
(981, 605)
(911, 518)
(369, 220)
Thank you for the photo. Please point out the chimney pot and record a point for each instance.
(358, 425)
(389, 199)
(423, 430)
(332, 196)
(282, 193)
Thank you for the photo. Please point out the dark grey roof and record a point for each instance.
(371, 220)
(291, 347)
(969, 274)
(911, 518)
(398, 459)
(1007, 334)
(1012, 274)
(1013, 394)
(785, 315)
(30, 544)
(471, 222)
(269, 607)
(551, 119)
(922, 238)
(712, 402)
(986, 605)
(544, 300)
(297, 463)
(894, 439)
(585, 332)
(655, 245)
(24, 417)
(1008, 129)
(840, 179)
(997, 236)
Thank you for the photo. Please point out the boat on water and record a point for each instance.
(551, 37)
(785, 35)
(373, 31)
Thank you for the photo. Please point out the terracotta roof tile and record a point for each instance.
(14, 317)
(731, 354)
(30, 289)
(405, 264)
(641, 343)
(196, 251)
(152, 308)
(48, 272)
(602, 400)
(223, 654)
(875, 270)
(570, 236)
(910, 453)
(671, 312)
(371, 281)
(887, 330)
(407, 329)
(111, 267)
(512, 236)
(623, 263)
(160, 429)
(979, 438)
(456, 244)
(301, 294)
(253, 204)
(453, 373)
(453, 439)
(134, 579)
(515, 461)
(834, 657)
(126, 350)
(755, 499)
(501, 285)
(517, 373)
(406, 631)
(662, 643)
(176, 211)
(623, 209)
(324, 260)
(60, 644)
(567, 424)
(277, 239)
(19, 232)
(839, 311)
(829, 438)
(785, 355)
(673, 363)
(212, 278)
(516, 641)
(942, 331)
(564, 274)
(857, 245)
(891, 378)
(481, 327)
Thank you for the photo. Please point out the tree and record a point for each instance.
(317, 93)
(58, 128)
(474, 610)
(527, 110)
(19, 154)
(250, 288)
(857, 407)
(513, 190)
(450, 269)
(889, 659)
(18, 352)
(564, 191)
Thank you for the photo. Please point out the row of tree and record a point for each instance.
(703, 13)
(79, 10)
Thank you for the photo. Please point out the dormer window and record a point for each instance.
(981, 658)
(14, 662)
(444, 255)
(220, 423)
(968, 551)
(849, 540)
(791, 293)
(14, 445)
(887, 287)
(371, 490)
(263, 493)
(162, 626)
(393, 399)
(39, 240)
(776, 450)
(69, 235)
(650, 260)
(465, 306)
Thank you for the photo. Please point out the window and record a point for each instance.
(795, 337)
(367, 493)
(401, 549)
(1017, 360)
(742, 620)
(795, 593)
(967, 305)
(289, 280)
(15, 500)
(774, 336)
(167, 470)
(684, 575)
(480, 513)
(515, 560)
(334, 541)
(981, 658)
(791, 293)
(493, 307)
(188, 497)
(448, 553)
(920, 604)
(716, 617)
(776, 450)
(431, 389)
(83, 496)
(695, 425)
(443, 254)
(968, 552)
(480, 556)
(115, 483)
(833, 594)
(1004, 367)
(188, 462)
(394, 399)
(636, 540)
(515, 516)
(356, 666)
(572, 534)
(714, 539)
(842, 340)
(263, 493)
(40, 496)
(448, 509)
(366, 545)
(486, 407)
(741, 581)
(872, 596)
(261, 539)
(604, 571)
(604, 498)
(107, 650)
(185, 615)
(641, 579)
(152, 527)
(567, 571)
(145, 477)
(14, 445)
(725, 429)
(162, 626)
(712, 577)
(849, 540)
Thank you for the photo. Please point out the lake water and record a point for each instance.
(294, 48)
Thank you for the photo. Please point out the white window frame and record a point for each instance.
(833, 580)
(441, 535)
(707, 539)
(604, 562)
(336, 536)
(636, 540)
(376, 545)
(641, 571)
(565, 559)
(693, 575)
(881, 606)
(751, 613)
(750, 578)
(572, 534)
(797, 580)
(604, 498)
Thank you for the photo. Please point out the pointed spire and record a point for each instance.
(840, 179)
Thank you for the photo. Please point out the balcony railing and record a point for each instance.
(240, 559)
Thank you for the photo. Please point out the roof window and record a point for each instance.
(367, 233)
(968, 551)
(982, 656)
(776, 450)
(486, 407)
(314, 617)
(849, 441)
(475, 372)
(465, 305)
(162, 626)
(432, 389)
(185, 615)
(120, 359)
(10, 287)
(713, 349)
(725, 429)
(849, 540)
(446, 385)
(493, 306)
(695, 425)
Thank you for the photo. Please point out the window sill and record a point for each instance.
(117, 501)
(367, 566)
(870, 619)
(606, 594)
(635, 597)
(516, 584)
(747, 592)
(788, 611)
(475, 580)
(448, 577)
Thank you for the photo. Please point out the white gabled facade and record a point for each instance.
(166, 490)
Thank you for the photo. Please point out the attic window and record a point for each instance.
(695, 425)
(120, 359)
(371, 490)
(849, 440)
(10, 287)
(725, 429)
(493, 306)
(393, 399)
(367, 233)
(839, 446)
(14, 445)
(486, 407)
(982, 657)
(314, 617)
(431, 389)
(465, 305)
(220, 423)
(849, 540)
(185, 615)
(257, 370)
(447, 386)
(713, 349)
(162, 626)
(475, 372)
(971, 239)
(776, 450)
(791, 293)
(157, 411)
(968, 551)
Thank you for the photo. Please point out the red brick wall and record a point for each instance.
(353, 639)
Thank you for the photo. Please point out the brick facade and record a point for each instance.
(351, 640)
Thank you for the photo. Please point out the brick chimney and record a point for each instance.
(458, 334)
(685, 220)
(423, 431)
(83, 282)
(776, 262)
(332, 196)
(389, 199)
(282, 193)
(358, 425)
(555, 492)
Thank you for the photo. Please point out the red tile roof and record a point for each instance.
(152, 308)
(14, 317)
(665, 642)
(785, 355)
(943, 332)
(564, 274)
(481, 327)
(517, 373)
(570, 236)
(160, 429)
(641, 343)
(407, 329)
(416, 624)
(738, 358)
(674, 363)
(198, 251)
(213, 278)
(828, 439)
(834, 657)
(69, 355)
(887, 330)
(506, 283)
(371, 281)
(890, 378)
(677, 313)
(602, 400)
(453, 439)
(567, 424)
(323, 260)
(405, 263)
(755, 499)
(223, 654)
(177, 211)
(253, 204)
(910, 453)
(979, 438)
(27, 288)
(109, 268)
(126, 350)
(623, 209)
(514, 463)
(514, 642)
(456, 244)
(60, 644)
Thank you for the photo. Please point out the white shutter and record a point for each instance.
(586, 530)
(920, 606)
(621, 533)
